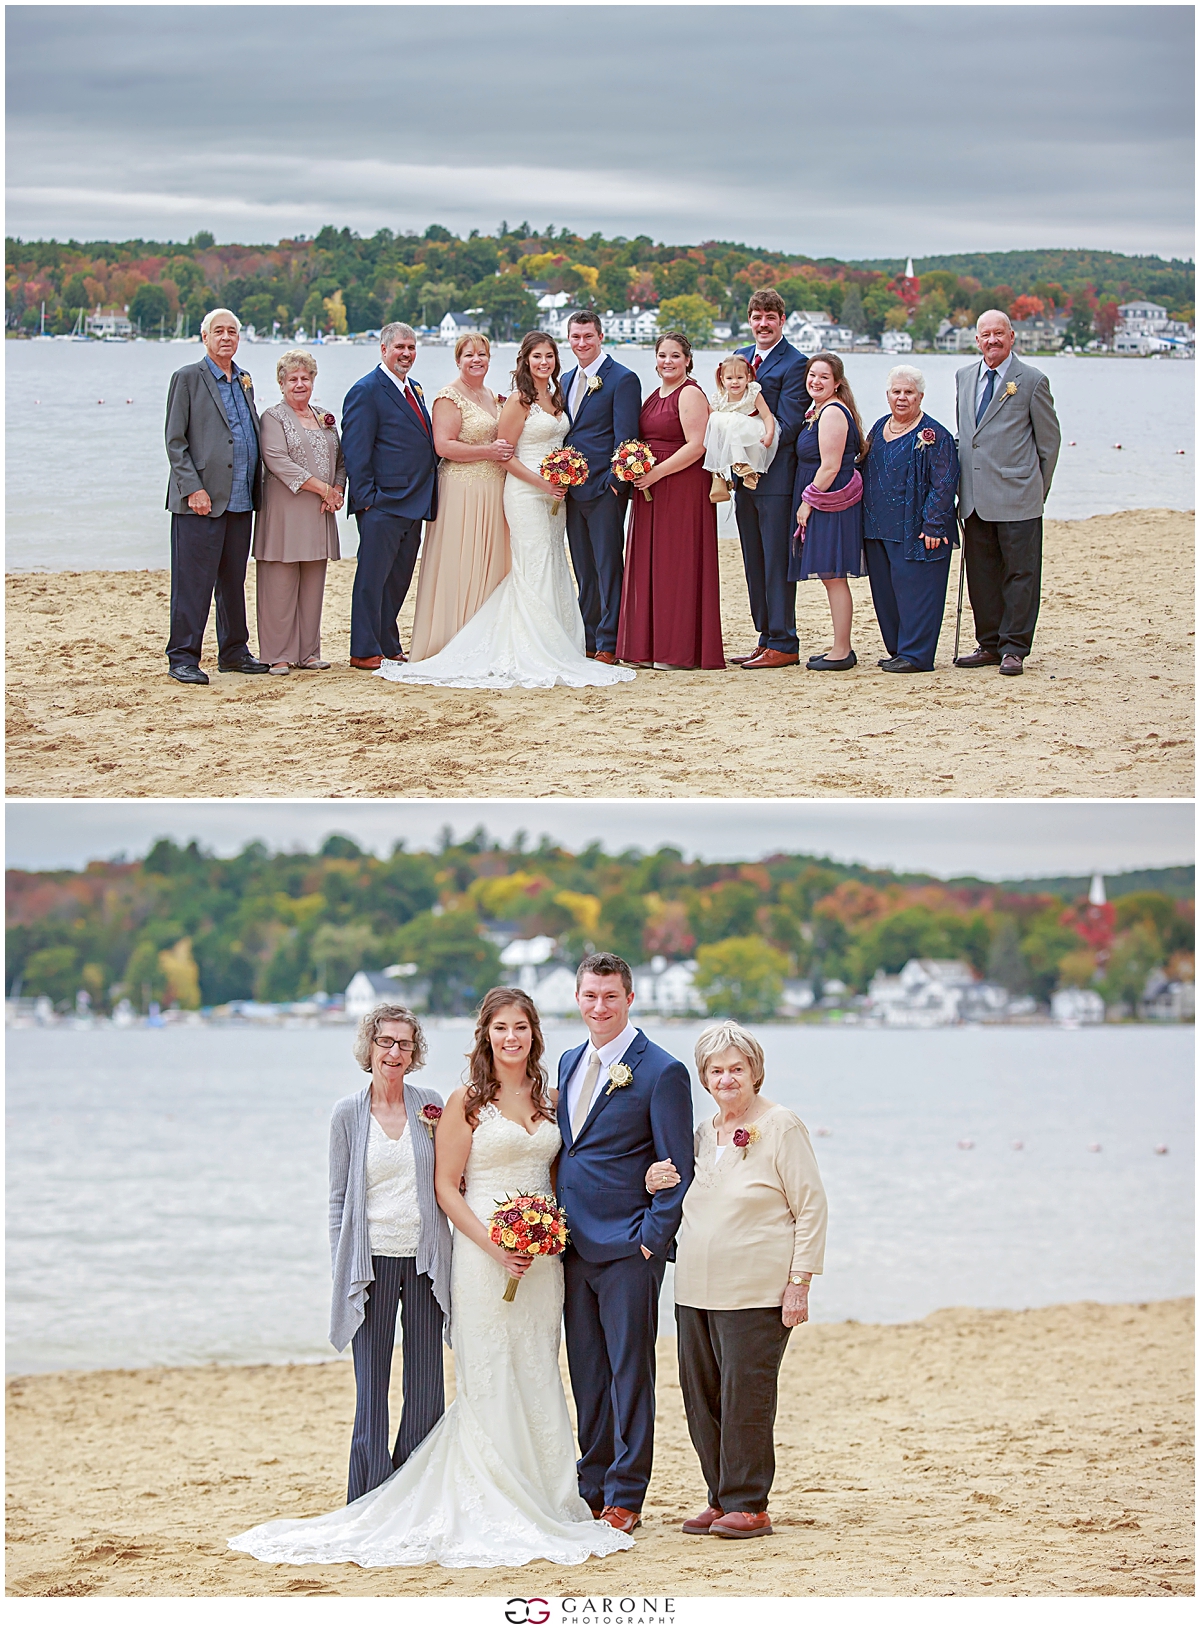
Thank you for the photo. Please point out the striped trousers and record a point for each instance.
(397, 1285)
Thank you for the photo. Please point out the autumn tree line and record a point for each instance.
(182, 927)
(340, 282)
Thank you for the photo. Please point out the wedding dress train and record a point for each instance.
(494, 1482)
(529, 634)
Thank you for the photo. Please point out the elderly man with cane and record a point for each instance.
(1008, 441)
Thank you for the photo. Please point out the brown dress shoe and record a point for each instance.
(621, 1520)
(740, 661)
(771, 658)
(606, 658)
(700, 1524)
(368, 664)
(979, 657)
(740, 1525)
(1012, 666)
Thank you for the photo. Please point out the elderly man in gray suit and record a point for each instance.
(214, 489)
(1008, 441)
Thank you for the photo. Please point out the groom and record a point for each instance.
(604, 401)
(623, 1103)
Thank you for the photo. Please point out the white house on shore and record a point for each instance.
(931, 994)
(456, 323)
(895, 342)
(1076, 1006)
(110, 324)
(397, 984)
(637, 326)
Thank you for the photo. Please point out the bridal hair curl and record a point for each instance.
(483, 1086)
(523, 380)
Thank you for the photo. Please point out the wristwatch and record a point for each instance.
(801, 1283)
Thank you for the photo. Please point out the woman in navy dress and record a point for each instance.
(910, 477)
(832, 547)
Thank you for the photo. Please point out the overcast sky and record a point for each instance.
(991, 840)
(854, 131)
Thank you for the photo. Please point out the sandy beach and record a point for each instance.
(1044, 1452)
(1105, 708)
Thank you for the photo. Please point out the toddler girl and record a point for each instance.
(740, 438)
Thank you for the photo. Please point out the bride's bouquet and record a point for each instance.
(566, 467)
(530, 1224)
(631, 459)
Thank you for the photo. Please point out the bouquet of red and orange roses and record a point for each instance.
(530, 1224)
(631, 459)
(564, 468)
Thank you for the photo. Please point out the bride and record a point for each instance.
(529, 633)
(494, 1482)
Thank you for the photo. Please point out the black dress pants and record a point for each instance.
(209, 552)
(397, 1285)
(729, 1374)
(1004, 575)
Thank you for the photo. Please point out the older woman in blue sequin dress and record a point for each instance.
(910, 477)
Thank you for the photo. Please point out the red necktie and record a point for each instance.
(412, 402)
(754, 364)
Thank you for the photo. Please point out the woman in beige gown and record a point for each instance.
(465, 555)
(295, 531)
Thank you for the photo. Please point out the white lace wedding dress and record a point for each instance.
(493, 1483)
(529, 633)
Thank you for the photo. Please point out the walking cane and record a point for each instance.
(962, 567)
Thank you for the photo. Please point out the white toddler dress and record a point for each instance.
(734, 434)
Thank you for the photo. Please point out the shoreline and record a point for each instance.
(1105, 708)
(913, 1459)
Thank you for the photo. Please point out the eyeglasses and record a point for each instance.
(386, 1044)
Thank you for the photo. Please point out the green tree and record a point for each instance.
(741, 977)
(1043, 948)
(149, 306)
(854, 314)
(335, 954)
(1005, 963)
(510, 307)
(1134, 956)
(614, 287)
(53, 972)
(690, 315)
(622, 922)
(1080, 332)
(928, 317)
(450, 950)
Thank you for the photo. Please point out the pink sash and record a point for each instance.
(834, 502)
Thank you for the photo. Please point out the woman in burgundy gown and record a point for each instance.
(671, 597)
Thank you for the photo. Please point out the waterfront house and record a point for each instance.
(397, 984)
(110, 324)
(928, 994)
(456, 323)
(896, 342)
(637, 326)
(1075, 1006)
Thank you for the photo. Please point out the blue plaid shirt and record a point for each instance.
(245, 441)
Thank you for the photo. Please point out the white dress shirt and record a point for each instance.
(981, 382)
(579, 383)
(610, 1053)
(760, 356)
(401, 384)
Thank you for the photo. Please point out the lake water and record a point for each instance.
(167, 1188)
(87, 470)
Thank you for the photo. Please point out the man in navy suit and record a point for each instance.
(604, 401)
(387, 442)
(623, 1102)
(765, 516)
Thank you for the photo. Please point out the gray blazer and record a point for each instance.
(199, 440)
(1006, 462)
(349, 1240)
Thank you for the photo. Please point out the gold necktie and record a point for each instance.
(578, 392)
(586, 1092)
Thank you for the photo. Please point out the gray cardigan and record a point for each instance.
(349, 1240)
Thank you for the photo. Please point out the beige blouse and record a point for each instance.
(478, 430)
(751, 1217)
(290, 526)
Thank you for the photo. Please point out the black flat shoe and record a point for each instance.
(823, 664)
(246, 665)
(899, 664)
(187, 675)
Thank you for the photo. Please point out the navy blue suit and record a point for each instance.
(391, 468)
(612, 1290)
(595, 512)
(766, 516)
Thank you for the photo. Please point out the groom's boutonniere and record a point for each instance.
(594, 383)
(619, 1076)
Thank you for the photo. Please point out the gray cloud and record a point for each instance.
(849, 130)
(945, 839)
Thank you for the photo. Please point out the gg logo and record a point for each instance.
(527, 1611)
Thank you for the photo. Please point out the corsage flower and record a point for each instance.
(430, 1113)
(246, 382)
(745, 1138)
(619, 1076)
(926, 437)
(1010, 388)
(594, 383)
(328, 420)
